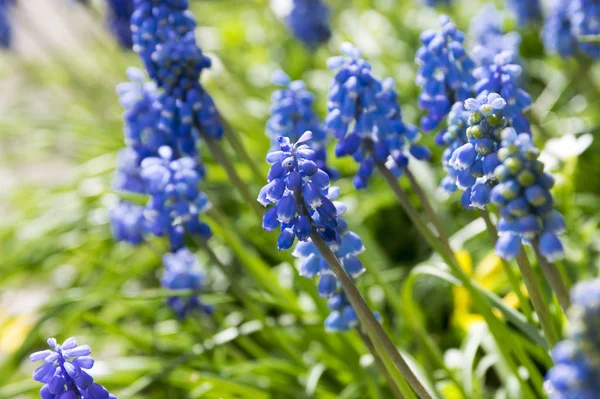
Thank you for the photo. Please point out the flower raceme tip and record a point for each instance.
(63, 372)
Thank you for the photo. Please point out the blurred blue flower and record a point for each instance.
(363, 114)
(503, 77)
(445, 72)
(128, 222)
(163, 36)
(586, 22)
(453, 137)
(6, 34)
(292, 114)
(176, 203)
(309, 22)
(299, 190)
(433, 3)
(487, 36)
(576, 370)
(558, 30)
(524, 200)
(475, 161)
(526, 10)
(342, 316)
(118, 19)
(63, 372)
(182, 272)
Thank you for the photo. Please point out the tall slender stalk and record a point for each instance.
(232, 136)
(535, 294)
(431, 214)
(512, 277)
(380, 365)
(553, 277)
(220, 156)
(496, 328)
(373, 328)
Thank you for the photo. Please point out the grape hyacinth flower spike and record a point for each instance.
(586, 22)
(445, 72)
(558, 34)
(295, 175)
(576, 370)
(292, 114)
(309, 22)
(6, 33)
(524, 200)
(363, 114)
(63, 372)
(476, 160)
(163, 37)
(176, 203)
(299, 192)
(487, 37)
(182, 272)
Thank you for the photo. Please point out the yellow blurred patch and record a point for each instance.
(489, 273)
(13, 331)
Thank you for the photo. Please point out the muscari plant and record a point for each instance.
(118, 18)
(308, 21)
(489, 155)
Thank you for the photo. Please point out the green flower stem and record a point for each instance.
(589, 38)
(512, 277)
(536, 298)
(431, 214)
(496, 327)
(554, 278)
(375, 331)
(238, 291)
(380, 365)
(234, 140)
(220, 156)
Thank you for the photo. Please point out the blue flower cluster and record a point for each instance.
(476, 160)
(182, 272)
(445, 72)
(567, 22)
(118, 19)
(163, 36)
(502, 77)
(342, 316)
(576, 370)
(558, 30)
(586, 22)
(452, 138)
(487, 36)
(363, 114)
(63, 372)
(433, 3)
(309, 22)
(524, 200)
(526, 10)
(299, 190)
(6, 34)
(176, 203)
(292, 114)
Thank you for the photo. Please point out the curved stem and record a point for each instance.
(220, 156)
(374, 329)
(512, 277)
(234, 139)
(431, 214)
(554, 278)
(380, 365)
(496, 328)
(536, 298)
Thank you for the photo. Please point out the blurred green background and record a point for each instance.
(62, 275)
